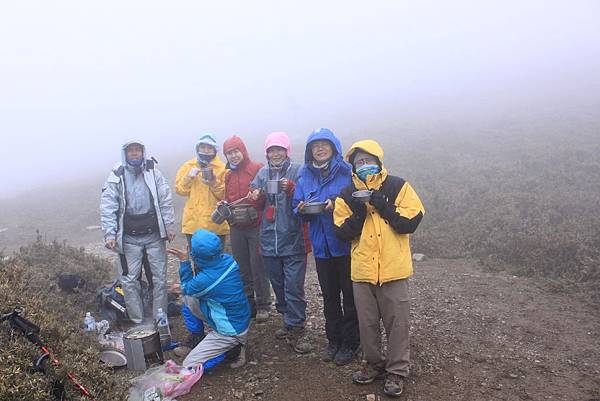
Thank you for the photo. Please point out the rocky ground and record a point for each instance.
(475, 336)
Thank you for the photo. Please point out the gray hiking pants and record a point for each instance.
(388, 302)
(245, 248)
(131, 269)
(287, 275)
(214, 343)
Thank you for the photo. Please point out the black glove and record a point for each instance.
(359, 210)
(379, 200)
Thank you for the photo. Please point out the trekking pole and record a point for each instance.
(30, 331)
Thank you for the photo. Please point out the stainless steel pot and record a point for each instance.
(142, 347)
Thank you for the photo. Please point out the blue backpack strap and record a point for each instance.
(217, 281)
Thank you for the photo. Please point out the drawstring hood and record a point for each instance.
(137, 165)
(280, 139)
(233, 143)
(206, 247)
(204, 158)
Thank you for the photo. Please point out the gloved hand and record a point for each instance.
(288, 186)
(379, 200)
(193, 172)
(359, 210)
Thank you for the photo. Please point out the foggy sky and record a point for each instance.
(79, 78)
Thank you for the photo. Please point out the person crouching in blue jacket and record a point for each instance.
(321, 179)
(215, 295)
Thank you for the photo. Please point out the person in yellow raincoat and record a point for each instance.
(381, 261)
(202, 181)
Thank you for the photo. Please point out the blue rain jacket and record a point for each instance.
(218, 286)
(311, 186)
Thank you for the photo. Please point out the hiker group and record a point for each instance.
(346, 209)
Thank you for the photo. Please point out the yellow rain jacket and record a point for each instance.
(202, 199)
(380, 247)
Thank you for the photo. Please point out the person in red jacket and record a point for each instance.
(245, 224)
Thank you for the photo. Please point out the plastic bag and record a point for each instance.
(165, 382)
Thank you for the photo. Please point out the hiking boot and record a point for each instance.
(344, 356)
(182, 351)
(282, 333)
(328, 353)
(241, 359)
(368, 374)
(298, 340)
(262, 316)
(393, 385)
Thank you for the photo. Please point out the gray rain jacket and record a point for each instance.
(284, 236)
(113, 201)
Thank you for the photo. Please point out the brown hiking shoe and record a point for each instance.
(182, 351)
(393, 385)
(368, 374)
(282, 333)
(262, 316)
(241, 359)
(298, 340)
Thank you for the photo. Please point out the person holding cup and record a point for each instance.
(202, 181)
(381, 261)
(323, 176)
(282, 241)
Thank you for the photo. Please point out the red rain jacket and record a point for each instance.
(237, 182)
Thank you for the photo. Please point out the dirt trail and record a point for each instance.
(475, 336)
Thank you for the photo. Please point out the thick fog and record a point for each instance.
(79, 78)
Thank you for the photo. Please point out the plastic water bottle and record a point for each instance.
(89, 323)
(162, 323)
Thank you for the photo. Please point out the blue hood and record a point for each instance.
(206, 246)
(312, 185)
(319, 135)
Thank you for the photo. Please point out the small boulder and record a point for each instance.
(418, 257)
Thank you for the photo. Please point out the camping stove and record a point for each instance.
(142, 347)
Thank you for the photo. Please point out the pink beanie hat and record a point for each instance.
(278, 139)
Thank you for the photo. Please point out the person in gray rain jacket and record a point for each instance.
(137, 217)
(282, 241)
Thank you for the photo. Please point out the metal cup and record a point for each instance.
(221, 213)
(207, 173)
(273, 187)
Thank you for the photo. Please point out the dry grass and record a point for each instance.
(526, 204)
(28, 280)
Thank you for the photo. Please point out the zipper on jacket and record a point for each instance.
(275, 222)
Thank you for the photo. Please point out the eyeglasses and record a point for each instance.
(320, 145)
(363, 161)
